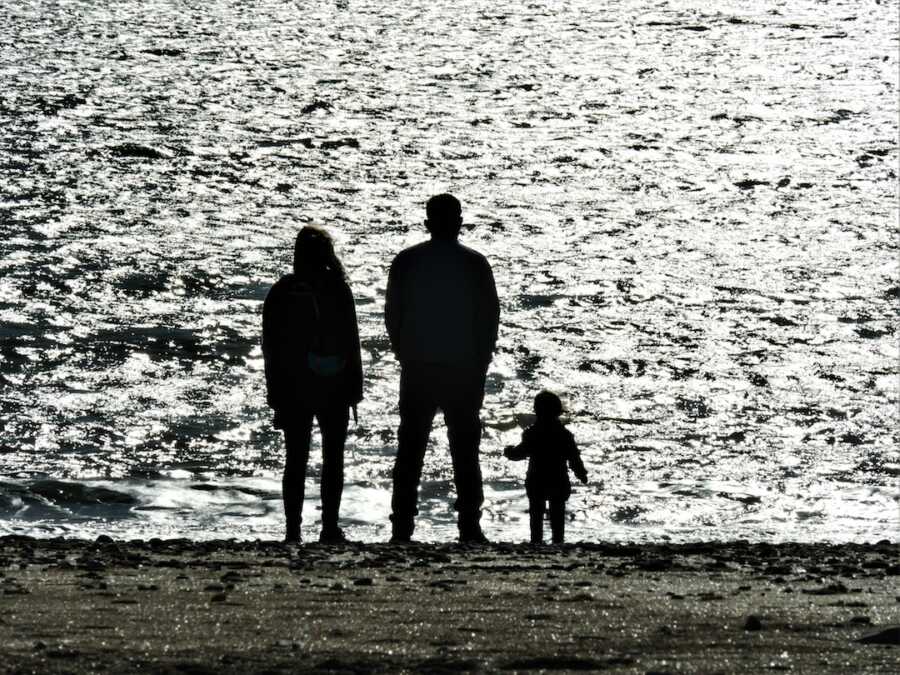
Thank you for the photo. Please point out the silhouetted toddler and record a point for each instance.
(550, 449)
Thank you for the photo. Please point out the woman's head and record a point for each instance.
(314, 253)
(547, 405)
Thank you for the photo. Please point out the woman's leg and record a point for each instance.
(333, 425)
(536, 515)
(296, 440)
(558, 520)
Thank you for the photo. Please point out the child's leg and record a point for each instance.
(558, 520)
(536, 512)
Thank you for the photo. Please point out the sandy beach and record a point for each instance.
(251, 607)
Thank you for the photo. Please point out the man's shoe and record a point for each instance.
(400, 539)
(401, 529)
(475, 536)
(335, 536)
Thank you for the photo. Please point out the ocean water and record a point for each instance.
(690, 208)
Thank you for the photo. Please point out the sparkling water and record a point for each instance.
(690, 209)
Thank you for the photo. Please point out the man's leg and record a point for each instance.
(417, 411)
(461, 405)
(293, 482)
(558, 520)
(333, 425)
(536, 518)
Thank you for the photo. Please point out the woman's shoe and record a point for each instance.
(473, 536)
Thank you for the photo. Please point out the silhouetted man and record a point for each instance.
(442, 315)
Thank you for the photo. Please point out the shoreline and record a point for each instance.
(224, 606)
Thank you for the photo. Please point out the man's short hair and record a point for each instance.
(443, 208)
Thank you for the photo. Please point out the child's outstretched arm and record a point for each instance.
(520, 451)
(515, 452)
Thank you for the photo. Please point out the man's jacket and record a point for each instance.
(441, 306)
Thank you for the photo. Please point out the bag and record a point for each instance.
(325, 365)
(323, 357)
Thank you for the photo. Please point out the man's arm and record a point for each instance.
(393, 310)
(488, 315)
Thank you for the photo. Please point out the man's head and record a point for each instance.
(444, 216)
(547, 405)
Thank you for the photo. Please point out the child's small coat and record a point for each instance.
(550, 449)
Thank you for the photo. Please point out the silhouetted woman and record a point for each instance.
(313, 369)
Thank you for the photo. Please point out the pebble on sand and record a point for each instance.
(753, 623)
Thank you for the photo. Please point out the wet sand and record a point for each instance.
(197, 607)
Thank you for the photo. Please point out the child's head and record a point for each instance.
(547, 405)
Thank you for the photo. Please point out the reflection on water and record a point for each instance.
(689, 216)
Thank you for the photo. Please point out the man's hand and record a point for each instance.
(583, 477)
(508, 450)
(355, 414)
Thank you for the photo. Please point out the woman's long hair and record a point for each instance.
(314, 254)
